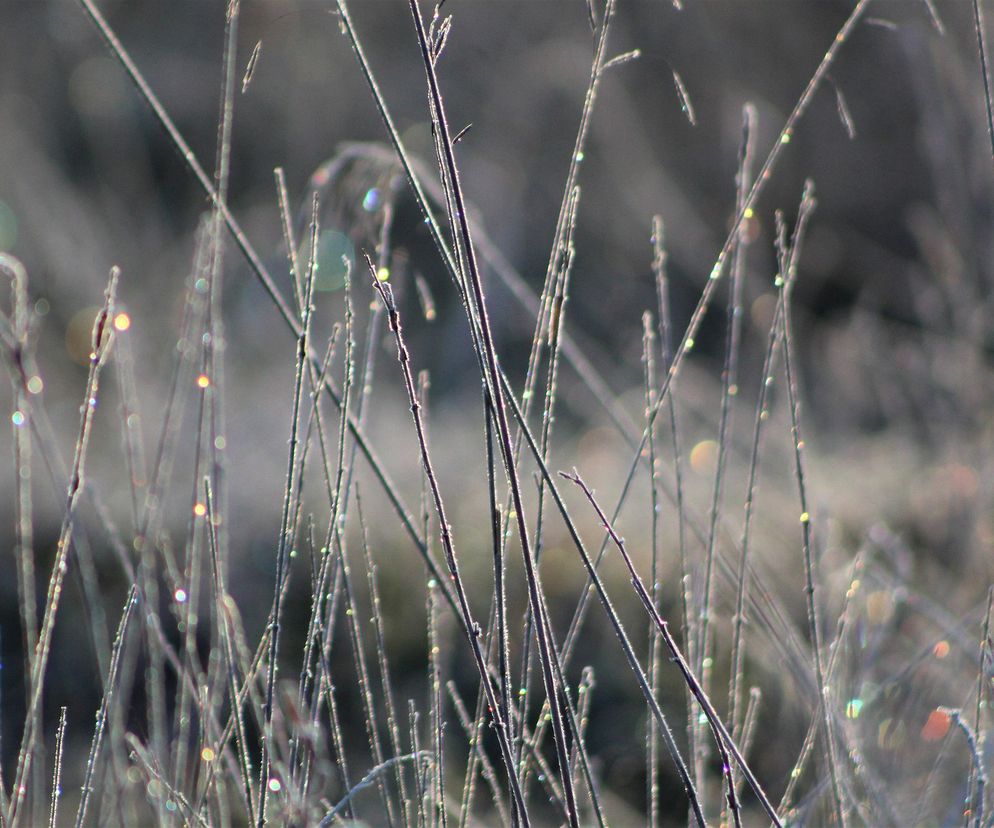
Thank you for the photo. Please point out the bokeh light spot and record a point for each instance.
(936, 726)
(331, 269)
(879, 607)
(704, 456)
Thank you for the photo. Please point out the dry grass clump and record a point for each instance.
(478, 580)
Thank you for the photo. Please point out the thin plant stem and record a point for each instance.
(364, 685)
(584, 697)
(742, 585)
(460, 226)
(519, 287)
(723, 738)
(687, 342)
(106, 704)
(222, 600)
(470, 627)
(336, 733)
(556, 318)
(262, 274)
(474, 736)
(788, 263)
(285, 538)
(982, 683)
(100, 350)
(214, 342)
(419, 779)
(747, 733)
(436, 717)
(60, 737)
(652, 669)
(612, 614)
(500, 572)
(386, 686)
(729, 390)
(978, 769)
(662, 284)
(981, 32)
(141, 755)
(762, 414)
(368, 780)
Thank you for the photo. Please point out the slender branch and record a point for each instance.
(722, 737)
(470, 626)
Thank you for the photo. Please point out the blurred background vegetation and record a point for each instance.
(892, 308)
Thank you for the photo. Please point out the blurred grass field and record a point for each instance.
(888, 297)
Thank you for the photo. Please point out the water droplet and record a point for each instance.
(180, 596)
(17, 418)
